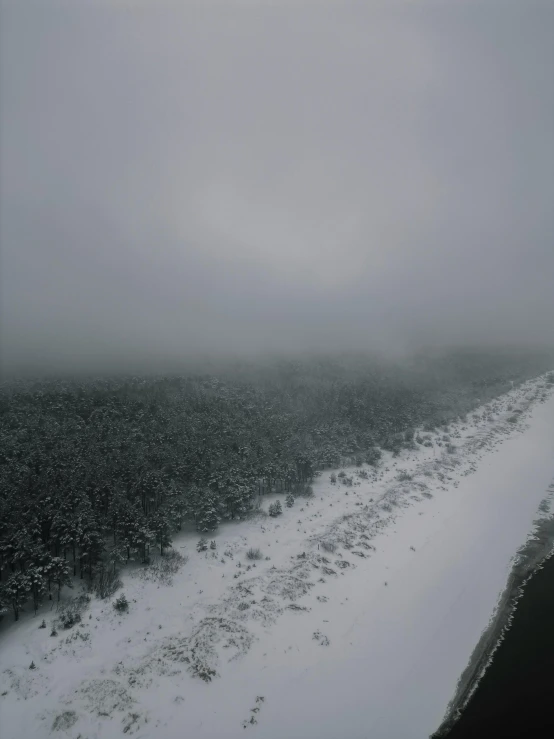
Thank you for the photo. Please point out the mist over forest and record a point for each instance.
(247, 178)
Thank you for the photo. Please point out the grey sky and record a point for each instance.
(182, 177)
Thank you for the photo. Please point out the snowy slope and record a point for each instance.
(364, 641)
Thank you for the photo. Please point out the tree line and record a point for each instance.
(96, 472)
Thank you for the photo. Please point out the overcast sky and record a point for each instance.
(242, 175)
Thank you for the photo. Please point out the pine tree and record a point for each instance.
(16, 591)
(58, 572)
(161, 526)
(207, 518)
(275, 509)
(37, 585)
(289, 500)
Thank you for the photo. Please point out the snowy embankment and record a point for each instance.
(357, 621)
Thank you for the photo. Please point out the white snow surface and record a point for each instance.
(371, 647)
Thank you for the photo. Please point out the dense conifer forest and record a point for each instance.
(97, 472)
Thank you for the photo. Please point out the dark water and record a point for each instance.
(515, 698)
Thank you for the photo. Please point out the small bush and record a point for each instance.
(303, 490)
(202, 545)
(328, 546)
(512, 419)
(451, 448)
(359, 462)
(106, 582)
(363, 474)
(53, 632)
(275, 509)
(373, 456)
(70, 613)
(254, 554)
(403, 476)
(43, 624)
(121, 604)
(32, 666)
(64, 721)
(342, 474)
(213, 545)
(333, 478)
(163, 569)
(289, 500)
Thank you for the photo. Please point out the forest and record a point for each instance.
(95, 472)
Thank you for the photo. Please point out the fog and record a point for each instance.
(190, 178)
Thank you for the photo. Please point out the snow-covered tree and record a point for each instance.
(16, 591)
(207, 517)
(37, 585)
(275, 509)
(160, 523)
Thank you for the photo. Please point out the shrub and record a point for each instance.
(342, 474)
(328, 546)
(106, 582)
(394, 444)
(43, 624)
(373, 456)
(451, 448)
(363, 474)
(70, 613)
(359, 461)
(289, 500)
(403, 476)
(121, 604)
(163, 569)
(202, 545)
(302, 489)
(275, 509)
(213, 545)
(333, 478)
(254, 553)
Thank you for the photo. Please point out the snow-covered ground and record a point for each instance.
(357, 622)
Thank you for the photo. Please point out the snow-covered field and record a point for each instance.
(357, 621)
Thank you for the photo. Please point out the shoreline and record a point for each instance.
(529, 560)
